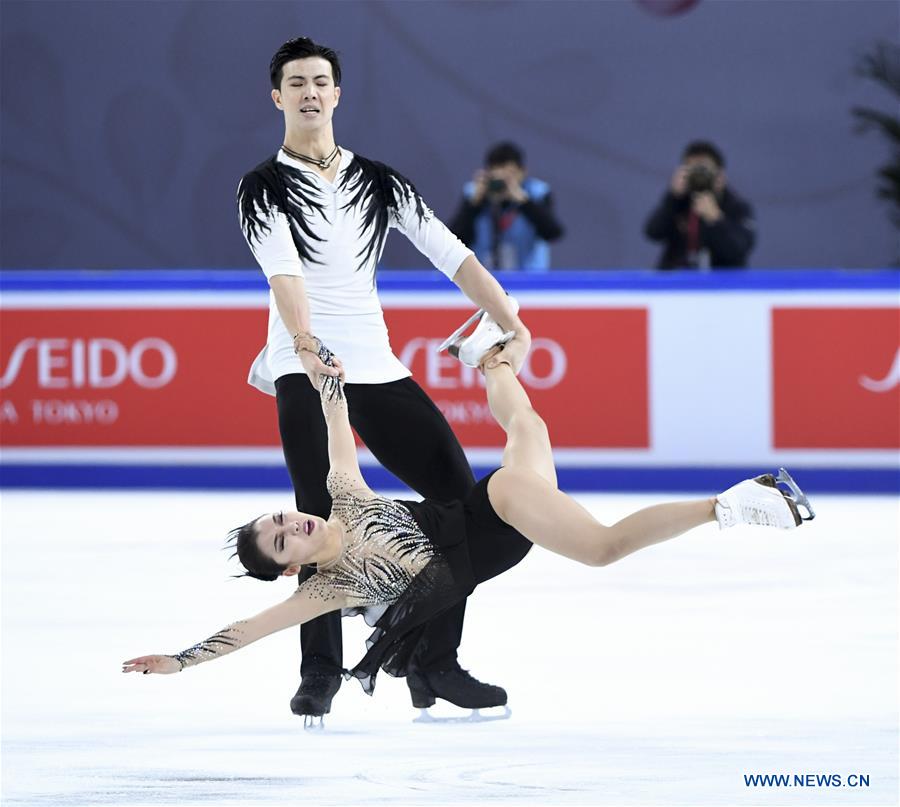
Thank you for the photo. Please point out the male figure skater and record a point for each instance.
(316, 217)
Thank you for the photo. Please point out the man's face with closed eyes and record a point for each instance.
(307, 95)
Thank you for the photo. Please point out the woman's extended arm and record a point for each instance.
(341, 444)
(303, 605)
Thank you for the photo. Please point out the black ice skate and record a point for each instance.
(457, 686)
(313, 698)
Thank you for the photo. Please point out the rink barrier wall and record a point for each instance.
(585, 480)
(695, 379)
(396, 281)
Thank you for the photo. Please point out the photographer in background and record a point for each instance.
(701, 221)
(506, 217)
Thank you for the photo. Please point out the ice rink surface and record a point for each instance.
(663, 679)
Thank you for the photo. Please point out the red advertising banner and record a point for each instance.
(587, 374)
(133, 377)
(176, 377)
(836, 377)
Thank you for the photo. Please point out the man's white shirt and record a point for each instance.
(341, 228)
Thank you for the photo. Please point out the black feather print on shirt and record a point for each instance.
(378, 191)
(274, 186)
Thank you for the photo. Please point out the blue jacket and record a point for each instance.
(510, 236)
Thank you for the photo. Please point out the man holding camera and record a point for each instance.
(702, 223)
(506, 217)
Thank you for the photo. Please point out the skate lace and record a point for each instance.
(456, 675)
(757, 515)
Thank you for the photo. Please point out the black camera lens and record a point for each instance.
(700, 179)
(496, 186)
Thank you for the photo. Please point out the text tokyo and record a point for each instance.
(93, 363)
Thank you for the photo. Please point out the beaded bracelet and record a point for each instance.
(306, 341)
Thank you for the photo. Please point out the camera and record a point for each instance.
(496, 186)
(700, 179)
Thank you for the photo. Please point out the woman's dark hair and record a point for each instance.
(703, 148)
(503, 153)
(257, 564)
(302, 48)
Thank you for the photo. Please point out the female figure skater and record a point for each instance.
(403, 562)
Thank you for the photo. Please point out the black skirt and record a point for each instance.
(472, 544)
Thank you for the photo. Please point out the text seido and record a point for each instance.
(442, 371)
(93, 363)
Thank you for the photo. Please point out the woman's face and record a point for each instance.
(291, 538)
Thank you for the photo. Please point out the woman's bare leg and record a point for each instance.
(524, 492)
(548, 517)
(527, 442)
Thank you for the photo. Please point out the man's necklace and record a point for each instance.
(324, 163)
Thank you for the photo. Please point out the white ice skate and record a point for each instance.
(760, 501)
(470, 350)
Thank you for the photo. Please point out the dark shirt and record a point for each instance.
(728, 241)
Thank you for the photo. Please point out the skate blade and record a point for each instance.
(310, 724)
(460, 330)
(800, 498)
(476, 716)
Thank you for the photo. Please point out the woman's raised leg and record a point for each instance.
(524, 493)
(550, 518)
(527, 441)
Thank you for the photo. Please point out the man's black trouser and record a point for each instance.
(410, 437)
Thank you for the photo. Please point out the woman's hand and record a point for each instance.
(162, 665)
(331, 381)
(331, 391)
(316, 369)
(317, 360)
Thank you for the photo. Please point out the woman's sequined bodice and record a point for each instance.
(384, 549)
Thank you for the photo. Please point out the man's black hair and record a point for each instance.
(703, 148)
(257, 564)
(302, 47)
(504, 153)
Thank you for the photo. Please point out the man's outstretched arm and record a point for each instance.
(451, 257)
(482, 288)
(290, 299)
(268, 234)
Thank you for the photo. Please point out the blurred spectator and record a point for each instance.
(701, 221)
(506, 217)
